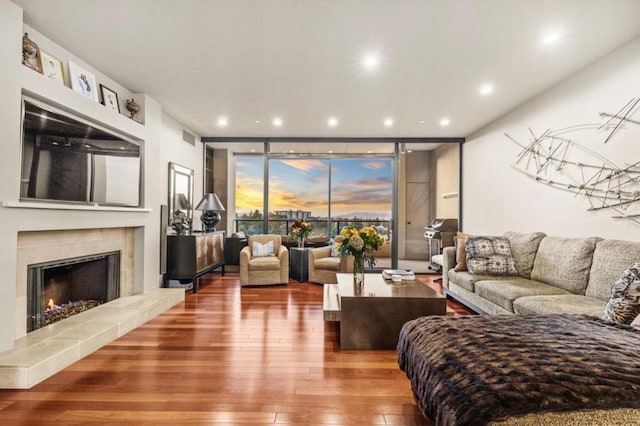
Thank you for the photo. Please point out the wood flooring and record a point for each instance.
(227, 355)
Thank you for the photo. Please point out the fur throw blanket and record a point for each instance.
(477, 369)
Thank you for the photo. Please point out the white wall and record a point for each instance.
(497, 198)
(160, 138)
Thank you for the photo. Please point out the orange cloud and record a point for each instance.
(306, 165)
(374, 165)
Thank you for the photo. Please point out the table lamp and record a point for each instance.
(210, 205)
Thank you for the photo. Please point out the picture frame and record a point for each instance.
(51, 67)
(82, 81)
(30, 54)
(109, 98)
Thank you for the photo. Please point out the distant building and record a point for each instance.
(293, 214)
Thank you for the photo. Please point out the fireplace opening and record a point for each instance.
(66, 287)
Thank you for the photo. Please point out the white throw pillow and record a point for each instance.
(262, 250)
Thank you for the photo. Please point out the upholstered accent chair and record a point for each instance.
(323, 267)
(264, 270)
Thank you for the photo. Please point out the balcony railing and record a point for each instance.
(320, 226)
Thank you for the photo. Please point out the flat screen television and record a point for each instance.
(69, 159)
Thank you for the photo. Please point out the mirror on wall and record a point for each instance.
(180, 197)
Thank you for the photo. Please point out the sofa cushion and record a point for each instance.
(524, 248)
(610, 258)
(489, 256)
(461, 254)
(558, 304)
(267, 263)
(623, 306)
(564, 262)
(327, 263)
(467, 280)
(504, 292)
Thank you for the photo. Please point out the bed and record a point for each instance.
(522, 370)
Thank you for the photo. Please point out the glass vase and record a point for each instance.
(358, 275)
(301, 242)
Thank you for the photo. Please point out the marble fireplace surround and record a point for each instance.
(40, 354)
(46, 246)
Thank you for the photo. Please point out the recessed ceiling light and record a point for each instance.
(277, 122)
(330, 151)
(444, 122)
(409, 151)
(486, 89)
(388, 122)
(550, 38)
(257, 121)
(421, 122)
(369, 152)
(370, 61)
(222, 121)
(252, 150)
(291, 151)
(332, 122)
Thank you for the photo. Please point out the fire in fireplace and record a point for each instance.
(66, 287)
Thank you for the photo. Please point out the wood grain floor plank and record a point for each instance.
(227, 355)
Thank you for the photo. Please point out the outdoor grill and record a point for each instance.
(439, 234)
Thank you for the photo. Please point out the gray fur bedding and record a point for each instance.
(474, 370)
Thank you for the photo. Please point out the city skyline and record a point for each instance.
(359, 185)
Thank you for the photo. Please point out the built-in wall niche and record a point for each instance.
(68, 159)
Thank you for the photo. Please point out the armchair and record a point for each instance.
(264, 270)
(323, 267)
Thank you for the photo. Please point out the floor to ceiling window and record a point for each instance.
(249, 190)
(333, 185)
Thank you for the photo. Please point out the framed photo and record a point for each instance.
(82, 81)
(51, 67)
(30, 53)
(109, 98)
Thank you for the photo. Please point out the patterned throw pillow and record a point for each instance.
(262, 250)
(624, 304)
(489, 256)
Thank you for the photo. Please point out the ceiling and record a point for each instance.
(301, 60)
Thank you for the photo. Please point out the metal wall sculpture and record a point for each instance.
(554, 159)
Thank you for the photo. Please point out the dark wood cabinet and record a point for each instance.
(189, 256)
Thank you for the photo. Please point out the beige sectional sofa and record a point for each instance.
(555, 275)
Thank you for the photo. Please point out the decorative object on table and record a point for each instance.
(404, 274)
(181, 221)
(210, 205)
(51, 67)
(133, 108)
(300, 230)
(82, 81)
(30, 53)
(109, 98)
(361, 244)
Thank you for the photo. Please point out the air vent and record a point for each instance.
(188, 137)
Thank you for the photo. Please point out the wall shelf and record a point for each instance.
(85, 207)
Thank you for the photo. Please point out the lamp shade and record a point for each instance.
(210, 202)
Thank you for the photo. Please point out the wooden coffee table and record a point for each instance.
(374, 319)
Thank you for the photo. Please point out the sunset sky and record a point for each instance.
(359, 185)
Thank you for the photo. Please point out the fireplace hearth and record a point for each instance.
(59, 289)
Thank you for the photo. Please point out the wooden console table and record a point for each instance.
(190, 256)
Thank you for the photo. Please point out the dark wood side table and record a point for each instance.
(193, 255)
(299, 263)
